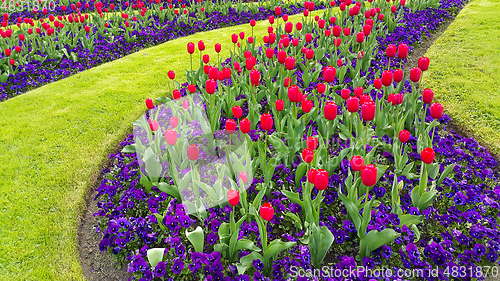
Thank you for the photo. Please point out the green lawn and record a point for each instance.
(465, 71)
(53, 139)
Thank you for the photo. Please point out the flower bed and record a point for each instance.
(450, 226)
(105, 38)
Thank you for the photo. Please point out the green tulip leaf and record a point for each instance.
(155, 256)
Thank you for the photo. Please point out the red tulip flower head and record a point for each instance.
(288, 27)
(311, 175)
(201, 46)
(252, 23)
(357, 162)
(281, 57)
(369, 175)
(149, 104)
(293, 93)
(218, 48)
(230, 126)
(404, 136)
(290, 63)
(171, 136)
(245, 125)
(171, 75)
(415, 74)
(358, 92)
(254, 77)
(174, 121)
(266, 122)
(234, 38)
(280, 105)
(377, 83)
(307, 155)
(267, 211)
(153, 125)
(190, 47)
(307, 106)
(321, 88)
(398, 75)
(329, 74)
(321, 179)
(210, 86)
(391, 51)
(309, 54)
(243, 177)
(176, 94)
(436, 110)
(298, 26)
(277, 11)
(193, 152)
(387, 77)
(427, 96)
(368, 111)
(237, 111)
(330, 110)
(345, 93)
(403, 51)
(233, 197)
(352, 104)
(360, 37)
(312, 143)
(242, 35)
(423, 63)
(427, 155)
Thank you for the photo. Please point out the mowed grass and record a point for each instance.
(53, 139)
(465, 71)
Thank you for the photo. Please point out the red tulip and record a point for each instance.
(360, 37)
(321, 88)
(329, 74)
(250, 40)
(7, 52)
(271, 19)
(270, 30)
(242, 35)
(87, 29)
(272, 38)
(404, 136)
(237, 111)
(364, 99)
(347, 31)
(369, 175)
(153, 125)
(358, 92)
(403, 51)
(298, 26)
(285, 18)
(255, 77)
(206, 59)
(436, 110)
(234, 38)
(171, 136)
(267, 212)
(233, 197)
(377, 83)
(252, 23)
(277, 11)
(218, 48)
(190, 47)
(368, 111)
(227, 72)
(330, 110)
(321, 23)
(309, 54)
(312, 143)
(339, 61)
(176, 94)
(288, 82)
(280, 105)
(244, 177)
(266, 122)
(171, 74)
(290, 63)
(230, 126)
(174, 121)
(149, 104)
(193, 152)
(345, 93)
(352, 104)
(393, 9)
(245, 125)
(311, 175)
(321, 179)
(307, 155)
(398, 75)
(357, 163)
(270, 53)
(415, 74)
(402, 2)
(395, 99)
(288, 27)
(307, 106)
(250, 63)
(210, 85)
(427, 155)
(367, 29)
(281, 57)
(306, 13)
(423, 63)
(293, 93)
(427, 96)
(360, 55)
(387, 78)
(391, 51)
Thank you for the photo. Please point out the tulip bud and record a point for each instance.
(404, 136)
(427, 96)
(245, 125)
(206, 59)
(427, 155)
(352, 104)
(403, 51)
(280, 105)
(267, 212)
(423, 63)
(415, 74)
(357, 163)
(307, 106)
(369, 175)
(436, 110)
(330, 110)
(230, 126)
(298, 26)
(285, 18)
(345, 93)
(321, 179)
(398, 75)
(387, 77)
(329, 74)
(193, 152)
(266, 122)
(190, 48)
(312, 143)
(307, 155)
(391, 51)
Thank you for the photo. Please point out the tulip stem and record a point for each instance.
(432, 139)
(366, 137)
(191, 64)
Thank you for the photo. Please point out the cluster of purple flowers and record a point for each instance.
(460, 230)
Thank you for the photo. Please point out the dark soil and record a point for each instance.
(97, 265)
(102, 266)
